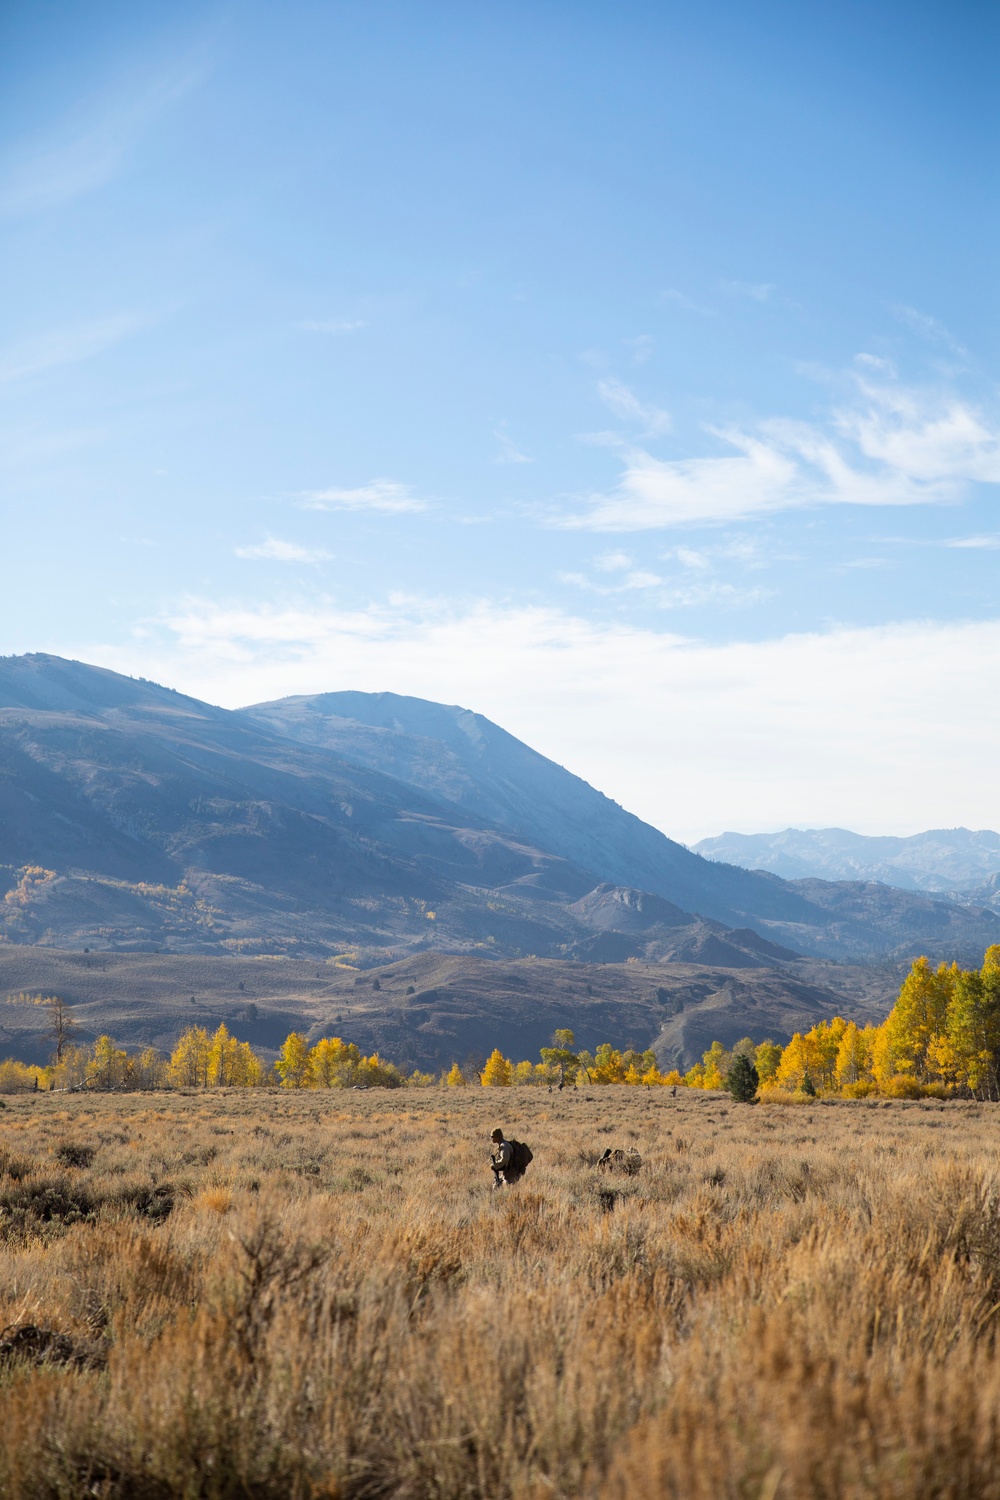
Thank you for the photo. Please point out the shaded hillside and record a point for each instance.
(135, 817)
(119, 786)
(430, 1009)
(161, 822)
(462, 755)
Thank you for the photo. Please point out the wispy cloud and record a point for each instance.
(642, 348)
(617, 397)
(757, 291)
(275, 550)
(689, 558)
(89, 147)
(382, 496)
(509, 452)
(678, 299)
(889, 446)
(988, 542)
(64, 346)
(931, 330)
(333, 325)
(619, 575)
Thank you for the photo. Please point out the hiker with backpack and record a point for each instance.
(508, 1159)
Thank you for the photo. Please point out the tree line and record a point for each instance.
(942, 1037)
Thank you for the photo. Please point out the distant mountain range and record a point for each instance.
(955, 861)
(369, 827)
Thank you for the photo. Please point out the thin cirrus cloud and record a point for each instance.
(987, 542)
(90, 146)
(381, 496)
(890, 446)
(509, 452)
(276, 550)
(64, 346)
(928, 328)
(623, 401)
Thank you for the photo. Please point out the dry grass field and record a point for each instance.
(273, 1294)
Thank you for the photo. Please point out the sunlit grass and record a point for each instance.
(284, 1293)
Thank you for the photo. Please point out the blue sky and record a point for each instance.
(627, 373)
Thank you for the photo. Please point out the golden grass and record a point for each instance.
(276, 1294)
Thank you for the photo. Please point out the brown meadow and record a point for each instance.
(280, 1293)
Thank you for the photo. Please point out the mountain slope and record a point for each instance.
(132, 817)
(106, 781)
(135, 817)
(940, 860)
(453, 752)
(460, 755)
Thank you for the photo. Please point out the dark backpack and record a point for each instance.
(520, 1158)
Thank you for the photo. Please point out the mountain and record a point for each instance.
(463, 757)
(941, 860)
(133, 817)
(452, 752)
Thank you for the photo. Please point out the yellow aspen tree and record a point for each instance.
(17, 1077)
(455, 1078)
(766, 1059)
(223, 1058)
(498, 1072)
(942, 1061)
(974, 1029)
(150, 1069)
(920, 1014)
(823, 1043)
(293, 1062)
(189, 1059)
(853, 1057)
(108, 1067)
(716, 1065)
(608, 1065)
(793, 1068)
(248, 1070)
(375, 1072)
(524, 1072)
(72, 1070)
(883, 1062)
(334, 1063)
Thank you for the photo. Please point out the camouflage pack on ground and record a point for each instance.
(615, 1160)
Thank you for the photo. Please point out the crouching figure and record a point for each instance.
(508, 1160)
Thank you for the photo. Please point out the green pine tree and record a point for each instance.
(742, 1079)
